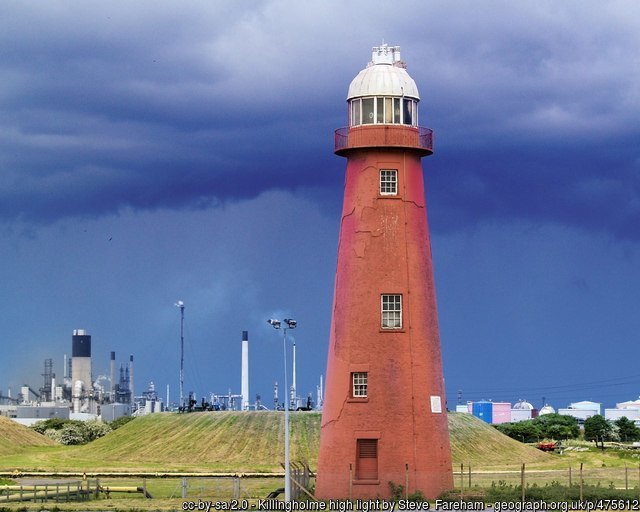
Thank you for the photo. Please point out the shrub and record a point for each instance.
(51, 424)
(53, 434)
(122, 420)
(72, 433)
(397, 493)
(95, 429)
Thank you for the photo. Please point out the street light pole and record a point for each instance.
(287, 473)
(180, 304)
(289, 324)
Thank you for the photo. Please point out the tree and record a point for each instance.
(597, 429)
(558, 426)
(524, 431)
(549, 426)
(627, 429)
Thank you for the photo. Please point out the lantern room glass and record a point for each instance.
(383, 110)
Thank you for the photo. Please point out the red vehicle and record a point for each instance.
(548, 446)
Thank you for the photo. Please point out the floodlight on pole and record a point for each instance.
(180, 305)
(290, 324)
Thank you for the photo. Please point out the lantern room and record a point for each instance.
(383, 92)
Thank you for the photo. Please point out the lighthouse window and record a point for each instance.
(367, 110)
(396, 110)
(391, 311)
(388, 110)
(355, 112)
(388, 182)
(407, 111)
(359, 384)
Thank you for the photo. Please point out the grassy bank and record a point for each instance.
(238, 442)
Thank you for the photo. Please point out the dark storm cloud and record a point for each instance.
(152, 105)
(537, 116)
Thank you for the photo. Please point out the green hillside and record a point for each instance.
(225, 441)
(16, 438)
(240, 442)
(475, 442)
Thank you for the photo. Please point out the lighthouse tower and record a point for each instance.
(384, 416)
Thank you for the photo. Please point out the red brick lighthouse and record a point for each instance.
(384, 417)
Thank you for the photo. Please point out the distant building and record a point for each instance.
(28, 415)
(630, 410)
(501, 413)
(113, 411)
(483, 410)
(547, 409)
(616, 414)
(522, 411)
(488, 411)
(582, 410)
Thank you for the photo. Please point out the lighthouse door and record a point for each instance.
(367, 459)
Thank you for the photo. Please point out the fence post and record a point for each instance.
(305, 475)
(351, 479)
(570, 482)
(461, 481)
(236, 487)
(406, 481)
(293, 472)
(184, 487)
(522, 481)
(581, 483)
(626, 477)
(469, 486)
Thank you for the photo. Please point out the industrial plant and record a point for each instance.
(80, 394)
(505, 412)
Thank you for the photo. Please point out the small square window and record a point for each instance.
(391, 311)
(359, 382)
(388, 182)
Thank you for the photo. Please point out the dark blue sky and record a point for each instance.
(157, 151)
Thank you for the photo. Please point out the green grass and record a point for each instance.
(476, 443)
(253, 442)
(220, 441)
(16, 438)
(240, 442)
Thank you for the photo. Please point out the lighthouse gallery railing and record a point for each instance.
(416, 137)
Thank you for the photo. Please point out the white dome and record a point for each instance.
(385, 75)
(521, 404)
(547, 409)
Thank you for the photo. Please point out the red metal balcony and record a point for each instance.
(384, 135)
